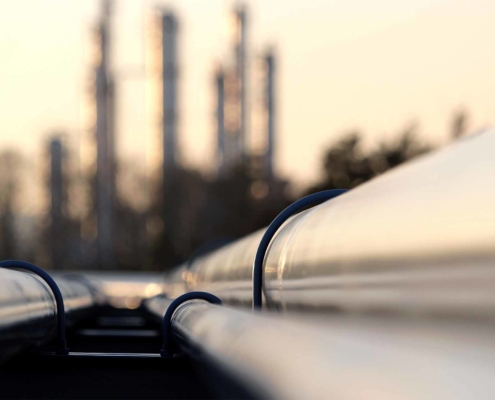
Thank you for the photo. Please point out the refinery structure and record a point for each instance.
(223, 286)
(232, 121)
(169, 27)
(105, 142)
(232, 99)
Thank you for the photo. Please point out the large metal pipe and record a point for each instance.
(337, 357)
(418, 240)
(28, 309)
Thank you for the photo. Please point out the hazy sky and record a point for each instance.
(376, 65)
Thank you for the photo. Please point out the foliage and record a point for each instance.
(347, 164)
(200, 213)
(10, 164)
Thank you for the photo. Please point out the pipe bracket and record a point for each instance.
(167, 319)
(301, 204)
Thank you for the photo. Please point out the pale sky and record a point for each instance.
(343, 64)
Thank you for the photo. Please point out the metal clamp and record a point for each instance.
(299, 205)
(167, 319)
(62, 342)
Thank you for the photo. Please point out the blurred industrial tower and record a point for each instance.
(231, 100)
(241, 61)
(169, 91)
(171, 190)
(105, 143)
(269, 60)
(57, 240)
(220, 119)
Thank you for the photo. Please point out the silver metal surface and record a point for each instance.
(419, 240)
(28, 310)
(339, 357)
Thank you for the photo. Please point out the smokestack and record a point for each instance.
(240, 48)
(171, 188)
(270, 112)
(169, 82)
(105, 162)
(220, 115)
(57, 204)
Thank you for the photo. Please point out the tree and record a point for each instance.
(459, 125)
(10, 165)
(346, 164)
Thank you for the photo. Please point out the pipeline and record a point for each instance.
(277, 357)
(398, 275)
(387, 291)
(28, 309)
(418, 240)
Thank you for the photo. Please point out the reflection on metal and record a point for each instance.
(123, 289)
(338, 357)
(418, 240)
(57, 295)
(28, 310)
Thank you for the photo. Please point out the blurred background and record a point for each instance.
(137, 134)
